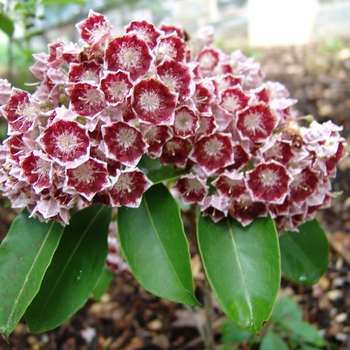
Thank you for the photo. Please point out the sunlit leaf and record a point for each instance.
(243, 267)
(25, 254)
(74, 270)
(155, 246)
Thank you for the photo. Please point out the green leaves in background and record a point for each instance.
(155, 246)
(6, 25)
(75, 269)
(25, 254)
(157, 172)
(242, 265)
(272, 341)
(304, 254)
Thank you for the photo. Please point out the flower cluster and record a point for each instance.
(103, 105)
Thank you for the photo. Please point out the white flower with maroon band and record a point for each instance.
(213, 152)
(192, 188)
(277, 150)
(84, 72)
(153, 102)
(156, 136)
(86, 100)
(208, 59)
(128, 187)
(233, 99)
(303, 185)
(231, 184)
(94, 30)
(66, 142)
(123, 143)
(16, 146)
(21, 112)
(176, 151)
(256, 122)
(186, 122)
(207, 126)
(115, 86)
(177, 77)
(269, 182)
(144, 31)
(245, 210)
(36, 169)
(130, 54)
(171, 46)
(203, 97)
(87, 179)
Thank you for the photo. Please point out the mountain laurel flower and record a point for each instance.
(105, 103)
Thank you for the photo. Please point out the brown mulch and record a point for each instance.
(129, 318)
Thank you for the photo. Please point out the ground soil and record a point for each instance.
(129, 318)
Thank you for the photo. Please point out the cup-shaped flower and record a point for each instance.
(269, 182)
(231, 184)
(145, 31)
(87, 179)
(36, 169)
(213, 152)
(153, 102)
(86, 99)
(192, 188)
(128, 187)
(66, 142)
(116, 86)
(177, 77)
(176, 151)
(256, 122)
(186, 122)
(129, 53)
(156, 136)
(94, 30)
(123, 143)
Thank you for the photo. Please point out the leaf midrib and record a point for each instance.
(28, 274)
(163, 248)
(65, 266)
(240, 269)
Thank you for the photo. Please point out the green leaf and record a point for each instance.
(6, 25)
(286, 307)
(103, 284)
(308, 347)
(304, 254)
(25, 254)
(157, 172)
(271, 341)
(243, 267)
(155, 246)
(74, 271)
(305, 331)
(232, 334)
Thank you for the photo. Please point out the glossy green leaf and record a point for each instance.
(304, 254)
(157, 172)
(243, 267)
(155, 246)
(6, 25)
(74, 270)
(272, 341)
(103, 284)
(25, 254)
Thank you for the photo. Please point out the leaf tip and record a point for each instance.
(6, 337)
